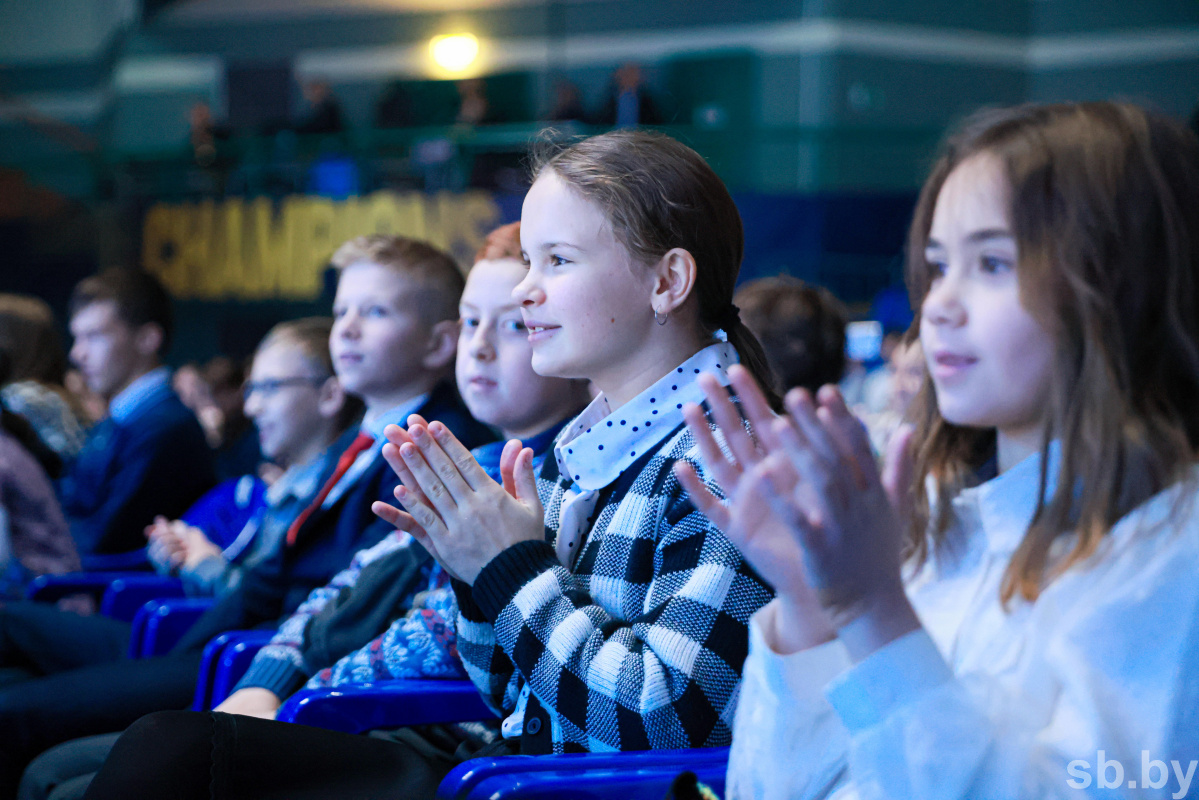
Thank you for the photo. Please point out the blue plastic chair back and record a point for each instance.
(160, 624)
(126, 594)
(233, 662)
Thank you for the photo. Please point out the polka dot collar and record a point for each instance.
(601, 444)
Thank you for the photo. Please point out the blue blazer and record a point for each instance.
(156, 463)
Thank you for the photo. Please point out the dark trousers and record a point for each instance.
(64, 771)
(41, 712)
(182, 755)
(38, 639)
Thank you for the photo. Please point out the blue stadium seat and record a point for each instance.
(160, 624)
(387, 704)
(226, 658)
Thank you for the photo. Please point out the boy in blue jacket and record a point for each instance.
(149, 455)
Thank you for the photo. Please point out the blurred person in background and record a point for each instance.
(34, 537)
(801, 328)
(568, 103)
(149, 455)
(93, 407)
(298, 411)
(233, 437)
(629, 103)
(325, 115)
(473, 106)
(37, 365)
(189, 384)
(905, 370)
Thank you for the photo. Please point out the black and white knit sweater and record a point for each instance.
(640, 643)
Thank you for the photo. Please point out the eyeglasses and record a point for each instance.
(270, 386)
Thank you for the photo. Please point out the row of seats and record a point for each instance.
(160, 615)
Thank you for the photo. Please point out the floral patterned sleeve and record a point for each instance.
(421, 644)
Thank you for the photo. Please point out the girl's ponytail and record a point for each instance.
(753, 357)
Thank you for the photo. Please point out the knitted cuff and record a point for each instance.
(467, 607)
(507, 573)
(279, 675)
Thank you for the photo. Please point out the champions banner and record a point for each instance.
(256, 249)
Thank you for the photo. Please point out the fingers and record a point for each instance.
(753, 403)
(441, 464)
(432, 490)
(473, 474)
(402, 521)
(707, 503)
(396, 435)
(774, 480)
(508, 465)
(849, 434)
(803, 412)
(725, 473)
(812, 475)
(728, 420)
(899, 469)
(525, 479)
(391, 454)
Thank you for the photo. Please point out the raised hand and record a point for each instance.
(750, 515)
(462, 516)
(843, 516)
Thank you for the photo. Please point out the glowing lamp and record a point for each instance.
(454, 53)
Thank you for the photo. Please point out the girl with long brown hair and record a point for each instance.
(1036, 632)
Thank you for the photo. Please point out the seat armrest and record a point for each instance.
(599, 772)
(134, 560)
(210, 664)
(51, 588)
(627, 782)
(387, 704)
(128, 593)
(160, 624)
(234, 660)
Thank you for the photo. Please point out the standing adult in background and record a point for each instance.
(629, 102)
(37, 365)
(148, 456)
(325, 114)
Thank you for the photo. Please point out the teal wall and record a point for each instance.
(816, 94)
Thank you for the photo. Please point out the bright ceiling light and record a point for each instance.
(454, 53)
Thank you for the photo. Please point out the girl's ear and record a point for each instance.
(331, 398)
(675, 279)
(442, 346)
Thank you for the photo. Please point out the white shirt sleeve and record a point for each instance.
(788, 744)
(1095, 693)
(1109, 672)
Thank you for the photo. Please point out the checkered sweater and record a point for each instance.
(640, 645)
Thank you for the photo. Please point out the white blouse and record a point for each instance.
(1092, 690)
